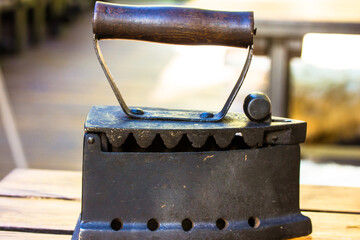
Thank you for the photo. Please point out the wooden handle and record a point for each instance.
(175, 25)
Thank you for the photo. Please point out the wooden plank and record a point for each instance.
(327, 198)
(42, 215)
(333, 226)
(31, 236)
(42, 183)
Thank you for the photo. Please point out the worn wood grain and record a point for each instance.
(42, 215)
(42, 183)
(5, 235)
(174, 25)
(327, 198)
(333, 226)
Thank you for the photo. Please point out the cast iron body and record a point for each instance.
(176, 174)
(243, 173)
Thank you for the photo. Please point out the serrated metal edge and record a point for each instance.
(253, 137)
(144, 138)
(119, 138)
(171, 138)
(198, 139)
(224, 138)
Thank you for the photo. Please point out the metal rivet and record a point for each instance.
(137, 111)
(206, 115)
(274, 138)
(91, 140)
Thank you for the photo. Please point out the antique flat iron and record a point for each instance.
(152, 173)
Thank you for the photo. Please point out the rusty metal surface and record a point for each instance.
(160, 178)
(253, 192)
(117, 126)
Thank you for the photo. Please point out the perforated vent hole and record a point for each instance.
(152, 224)
(187, 224)
(254, 222)
(116, 224)
(221, 223)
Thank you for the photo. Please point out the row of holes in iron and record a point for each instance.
(186, 224)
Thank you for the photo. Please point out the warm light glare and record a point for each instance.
(335, 51)
(198, 67)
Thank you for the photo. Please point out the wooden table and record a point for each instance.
(45, 204)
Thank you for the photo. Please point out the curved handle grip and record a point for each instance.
(175, 25)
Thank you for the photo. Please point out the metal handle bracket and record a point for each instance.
(168, 114)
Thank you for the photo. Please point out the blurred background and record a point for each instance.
(307, 59)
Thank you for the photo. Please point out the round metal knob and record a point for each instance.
(257, 107)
